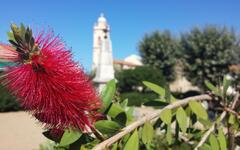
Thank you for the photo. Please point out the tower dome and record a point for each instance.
(102, 18)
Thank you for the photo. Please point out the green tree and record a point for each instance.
(208, 52)
(159, 50)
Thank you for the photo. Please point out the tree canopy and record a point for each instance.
(159, 50)
(208, 52)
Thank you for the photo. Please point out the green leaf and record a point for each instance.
(69, 137)
(147, 133)
(115, 146)
(206, 123)
(126, 137)
(222, 139)
(185, 146)
(130, 116)
(22, 31)
(157, 89)
(198, 109)
(124, 103)
(211, 87)
(232, 119)
(166, 116)
(82, 148)
(205, 147)
(107, 126)
(133, 142)
(182, 119)
(11, 36)
(14, 27)
(154, 87)
(114, 110)
(121, 118)
(213, 142)
(27, 36)
(108, 93)
(169, 135)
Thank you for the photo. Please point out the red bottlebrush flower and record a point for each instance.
(52, 87)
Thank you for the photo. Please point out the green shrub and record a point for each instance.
(131, 79)
(7, 101)
(137, 98)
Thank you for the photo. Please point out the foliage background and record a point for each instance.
(208, 52)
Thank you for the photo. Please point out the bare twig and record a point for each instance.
(232, 112)
(210, 130)
(236, 97)
(146, 118)
(97, 134)
(231, 136)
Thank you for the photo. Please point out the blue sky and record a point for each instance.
(129, 20)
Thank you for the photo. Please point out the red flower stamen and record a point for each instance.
(53, 87)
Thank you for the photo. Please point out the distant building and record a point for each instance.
(129, 62)
(103, 64)
(102, 53)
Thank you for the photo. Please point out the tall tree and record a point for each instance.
(159, 49)
(208, 52)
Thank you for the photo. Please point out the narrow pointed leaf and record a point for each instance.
(166, 116)
(211, 87)
(198, 109)
(169, 135)
(222, 139)
(69, 137)
(11, 36)
(205, 147)
(121, 118)
(213, 142)
(182, 119)
(154, 87)
(114, 146)
(108, 93)
(157, 89)
(133, 142)
(115, 110)
(124, 104)
(147, 133)
(232, 119)
(107, 126)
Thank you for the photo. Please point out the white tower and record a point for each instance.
(102, 53)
